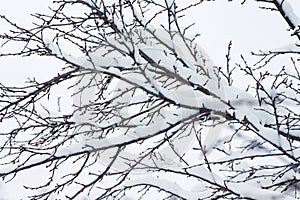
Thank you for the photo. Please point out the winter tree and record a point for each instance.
(138, 110)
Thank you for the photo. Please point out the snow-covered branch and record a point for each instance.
(150, 100)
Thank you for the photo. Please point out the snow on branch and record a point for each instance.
(147, 100)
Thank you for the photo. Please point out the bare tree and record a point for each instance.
(149, 108)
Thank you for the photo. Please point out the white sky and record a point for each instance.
(249, 28)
